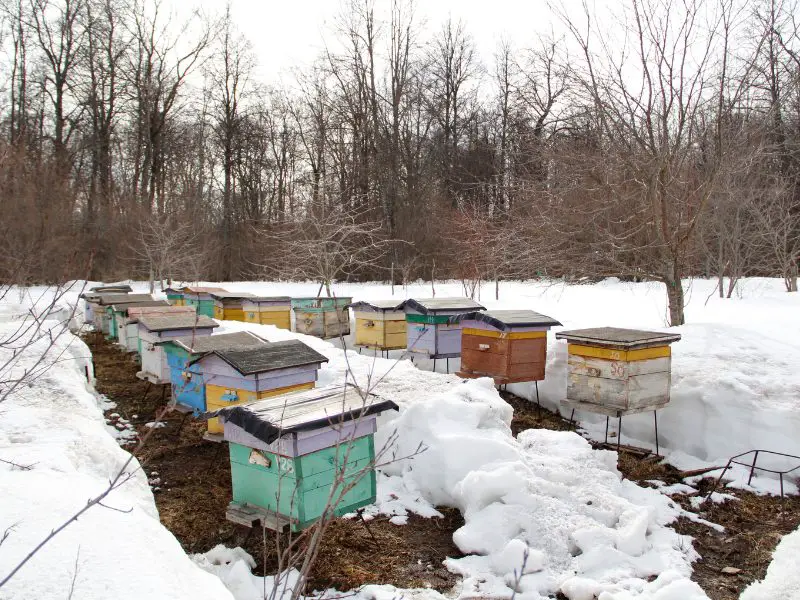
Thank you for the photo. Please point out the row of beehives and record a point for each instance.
(291, 445)
(612, 371)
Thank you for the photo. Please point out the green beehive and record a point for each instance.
(293, 455)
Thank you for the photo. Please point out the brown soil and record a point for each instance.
(190, 478)
(753, 524)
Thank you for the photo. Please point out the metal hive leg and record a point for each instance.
(619, 433)
(655, 421)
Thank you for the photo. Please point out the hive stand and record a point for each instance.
(617, 372)
(380, 325)
(233, 377)
(509, 346)
(430, 332)
(288, 453)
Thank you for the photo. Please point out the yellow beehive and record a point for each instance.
(380, 324)
(228, 305)
(274, 310)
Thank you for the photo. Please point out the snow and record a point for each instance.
(54, 430)
(782, 581)
(544, 500)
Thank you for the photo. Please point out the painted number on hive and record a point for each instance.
(618, 369)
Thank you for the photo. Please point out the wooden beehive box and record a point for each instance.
(430, 331)
(186, 377)
(269, 310)
(101, 314)
(90, 298)
(322, 317)
(615, 371)
(118, 316)
(228, 305)
(238, 376)
(200, 298)
(293, 456)
(380, 324)
(174, 296)
(507, 345)
(132, 341)
(160, 327)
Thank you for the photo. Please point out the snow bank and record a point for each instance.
(782, 581)
(54, 433)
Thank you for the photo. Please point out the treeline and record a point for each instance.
(657, 143)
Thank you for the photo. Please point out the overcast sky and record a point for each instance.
(289, 33)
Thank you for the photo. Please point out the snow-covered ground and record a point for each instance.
(783, 574)
(545, 495)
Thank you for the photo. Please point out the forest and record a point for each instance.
(657, 143)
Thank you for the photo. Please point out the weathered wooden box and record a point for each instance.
(228, 306)
(507, 345)
(322, 317)
(158, 328)
(269, 310)
(429, 330)
(293, 456)
(101, 314)
(234, 377)
(131, 322)
(200, 298)
(186, 377)
(117, 314)
(380, 324)
(615, 371)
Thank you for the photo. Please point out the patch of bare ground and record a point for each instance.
(192, 487)
(753, 524)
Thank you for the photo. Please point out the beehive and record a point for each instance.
(186, 376)
(228, 305)
(101, 318)
(615, 371)
(158, 328)
(507, 345)
(269, 310)
(200, 298)
(380, 324)
(293, 456)
(322, 317)
(131, 321)
(117, 315)
(430, 331)
(174, 296)
(90, 298)
(234, 377)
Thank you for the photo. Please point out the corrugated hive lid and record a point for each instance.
(616, 337)
(508, 319)
(109, 299)
(429, 305)
(231, 295)
(163, 322)
(111, 288)
(267, 420)
(270, 357)
(239, 340)
(202, 290)
(377, 304)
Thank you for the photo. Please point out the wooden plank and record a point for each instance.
(528, 351)
(607, 410)
(612, 369)
(249, 516)
(620, 355)
(506, 335)
(480, 343)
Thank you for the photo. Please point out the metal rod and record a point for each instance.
(607, 419)
(447, 362)
(619, 433)
(781, 476)
(717, 482)
(434, 365)
(572, 415)
(655, 420)
(536, 383)
(753, 468)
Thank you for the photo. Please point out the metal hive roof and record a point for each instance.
(108, 299)
(382, 305)
(616, 337)
(124, 306)
(231, 295)
(111, 288)
(267, 420)
(508, 319)
(432, 305)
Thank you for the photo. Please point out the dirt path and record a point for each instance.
(191, 482)
(753, 524)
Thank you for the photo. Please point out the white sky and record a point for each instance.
(290, 33)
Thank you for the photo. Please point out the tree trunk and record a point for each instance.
(791, 278)
(675, 302)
